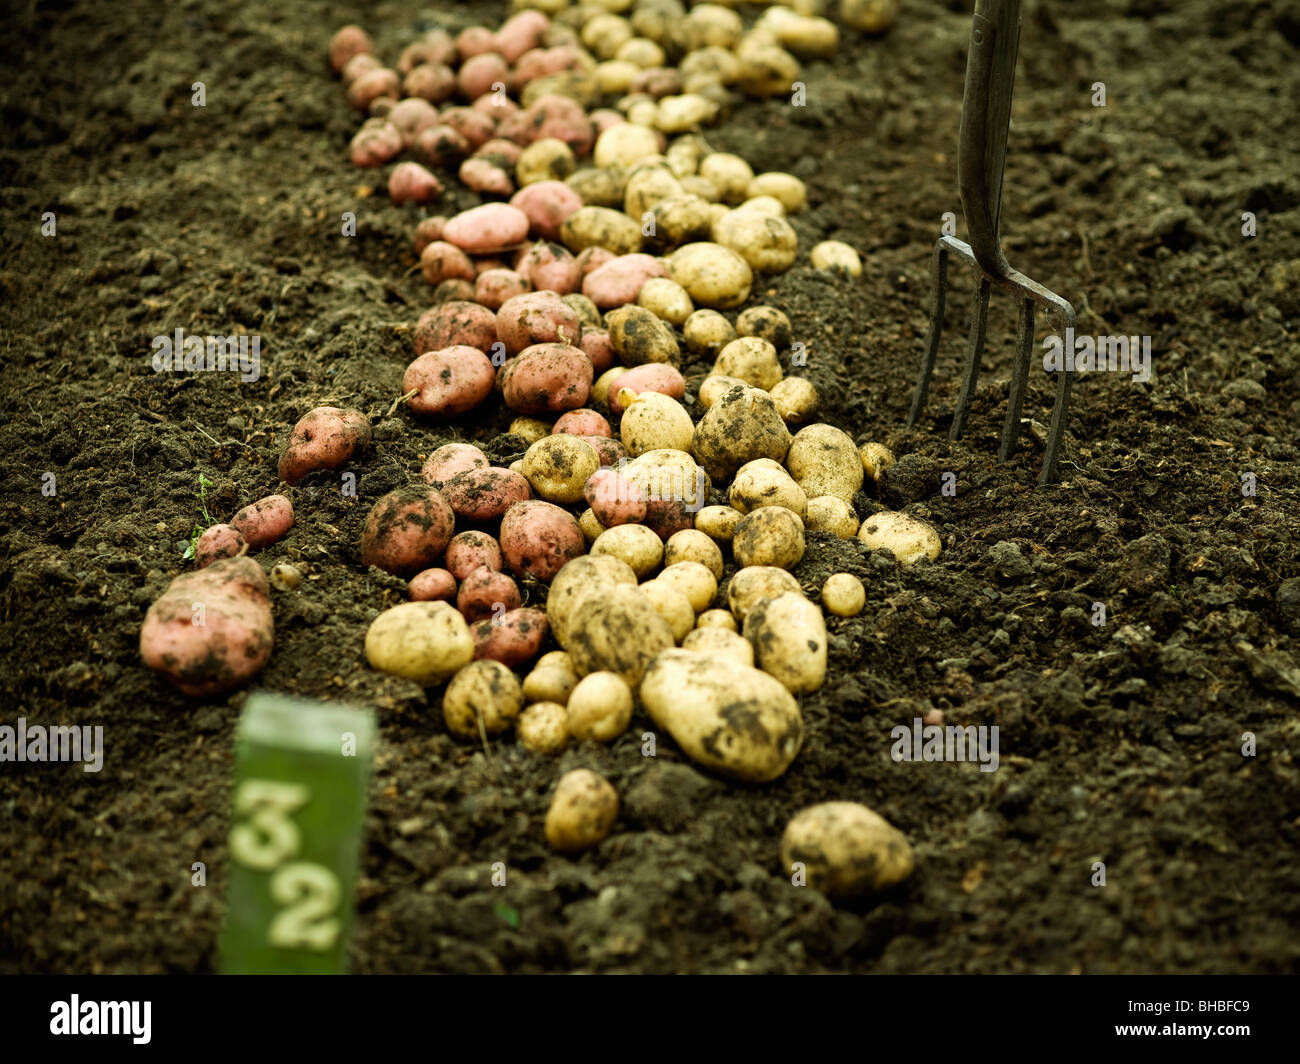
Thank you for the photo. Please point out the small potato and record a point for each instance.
(449, 382)
(908, 538)
(493, 287)
(375, 143)
(714, 387)
(599, 707)
(846, 849)
(591, 526)
(407, 530)
(844, 595)
(639, 337)
(325, 438)
(582, 811)
(513, 638)
(374, 85)
(677, 220)
(449, 460)
(721, 642)
(548, 206)
(483, 695)
(617, 630)
(550, 683)
(825, 461)
(672, 606)
(547, 159)
(600, 387)
(485, 494)
(530, 429)
(795, 398)
(718, 522)
(654, 422)
(758, 582)
(768, 244)
(441, 261)
(487, 229)
(694, 580)
(348, 42)
(550, 267)
(218, 542)
(455, 324)
(713, 275)
(789, 638)
(788, 189)
(876, 460)
(412, 183)
(547, 378)
(440, 146)
(707, 332)
(468, 551)
(431, 585)
(716, 619)
(487, 593)
(767, 70)
(691, 545)
(651, 377)
(750, 359)
(601, 227)
(870, 16)
(544, 728)
(536, 318)
(826, 513)
(264, 522)
(838, 256)
(666, 300)
(636, 545)
(577, 579)
(756, 487)
(582, 423)
(739, 427)
(767, 323)
(427, 642)
(538, 538)
(558, 466)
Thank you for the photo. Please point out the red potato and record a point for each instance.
(487, 593)
(487, 229)
(481, 266)
(412, 183)
(499, 148)
(652, 377)
(610, 452)
(264, 522)
(325, 438)
(488, 175)
(520, 33)
(375, 143)
(472, 550)
(539, 62)
(441, 261)
(480, 73)
(211, 631)
(595, 343)
(564, 119)
(613, 500)
(453, 290)
(476, 127)
(458, 323)
(538, 538)
(380, 106)
(348, 42)
(494, 287)
(217, 542)
(664, 517)
(358, 65)
(549, 266)
(440, 146)
(407, 530)
(546, 378)
(605, 117)
(547, 205)
(497, 108)
(512, 124)
(513, 639)
(593, 258)
(431, 585)
(535, 318)
(582, 423)
(619, 281)
(381, 83)
(411, 116)
(421, 52)
(434, 82)
(657, 82)
(426, 232)
(485, 494)
(449, 460)
(449, 382)
(475, 41)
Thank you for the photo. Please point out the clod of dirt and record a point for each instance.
(911, 478)
(663, 797)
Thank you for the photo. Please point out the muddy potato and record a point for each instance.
(825, 461)
(846, 850)
(730, 175)
(613, 500)
(558, 467)
(750, 359)
(768, 244)
(691, 545)
(426, 642)
(786, 188)
(530, 429)
(679, 220)
(649, 184)
(876, 460)
(599, 707)
(909, 539)
(456, 324)
(718, 522)
(826, 513)
(449, 460)
(601, 227)
(668, 476)
(550, 682)
(448, 382)
(538, 538)
(582, 811)
(636, 545)
(729, 717)
(536, 318)
(694, 580)
(547, 159)
(795, 398)
(639, 337)
(487, 593)
(771, 535)
(264, 522)
(741, 426)
(870, 16)
(716, 619)
(837, 256)
(843, 595)
(407, 530)
(707, 332)
(713, 275)
(666, 300)
(721, 642)
(587, 311)
(325, 438)
(513, 638)
(672, 606)
(766, 323)
(431, 585)
(714, 387)
(757, 486)
(543, 728)
(484, 694)
(618, 631)
(547, 378)
(654, 422)
(767, 70)
(789, 638)
(216, 543)
(574, 581)
(751, 585)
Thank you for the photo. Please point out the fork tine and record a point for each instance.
(979, 320)
(1059, 410)
(1019, 377)
(932, 337)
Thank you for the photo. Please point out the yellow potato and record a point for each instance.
(692, 545)
(635, 545)
(826, 513)
(844, 595)
(422, 641)
(544, 728)
(582, 812)
(600, 707)
(672, 606)
(694, 580)
(483, 695)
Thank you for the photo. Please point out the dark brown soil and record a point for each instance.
(1120, 744)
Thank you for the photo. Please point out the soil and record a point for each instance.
(1121, 743)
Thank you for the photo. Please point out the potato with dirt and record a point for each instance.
(618, 631)
(483, 698)
(226, 541)
(426, 642)
(513, 638)
(908, 538)
(639, 337)
(448, 382)
(559, 466)
(547, 378)
(407, 530)
(538, 538)
(485, 494)
(741, 426)
(825, 461)
(770, 535)
(789, 638)
(537, 318)
(846, 849)
(325, 438)
(577, 579)
(211, 631)
(582, 811)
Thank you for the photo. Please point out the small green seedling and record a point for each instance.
(301, 774)
(198, 530)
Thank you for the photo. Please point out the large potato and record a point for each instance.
(739, 427)
(558, 467)
(655, 422)
(536, 318)
(547, 378)
(538, 538)
(422, 641)
(325, 438)
(789, 637)
(616, 631)
(909, 539)
(729, 717)
(484, 694)
(407, 530)
(713, 275)
(752, 360)
(846, 849)
(449, 382)
(767, 244)
(825, 461)
(639, 337)
(574, 581)
(751, 585)
(485, 494)
(771, 535)
(514, 638)
(756, 486)
(603, 227)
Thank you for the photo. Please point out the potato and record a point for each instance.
(591, 526)
(468, 551)
(537, 538)
(668, 476)
(264, 522)
(750, 359)
(543, 728)
(730, 175)
(582, 423)
(613, 500)
(557, 467)
(838, 256)
(412, 183)
(621, 279)
(713, 275)
(685, 112)
(514, 638)
(844, 595)
(636, 545)
(325, 438)
(710, 25)
(771, 535)
(520, 33)
(795, 398)
(702, 188)
(476, 40)
(766, 323)
(846, 849)
(870, 16)
(876, 460)
(575, 580)
(599, 188)
(449, 460)
(789, 638)
(618, 631)
(485, 494)
(826, 513)
(422, 641)
(431, 585)
(767, 70)
(599, 707)
(714, 387)
(768, 244)
(487, 229)
(357, 65)
(694, 581)
(562, 118)
(494, 287)
(476, 129)
(348, 42)
(441, 261)
(547, 377)
(455, 324)
(707, 332)
(587, 311)
(373, 85)
(550, 267)
(449, 382)
(482, 699)
(626, 384)
(666, 300)
(212, 630)
(218, 542)
(718, 522)
(548, 206)
(720, 642)
(648, 184)
(529, 429)
(729, 717)
(671, 605)
(639, 337)
(678, 220)
(690, 545)
(375, 143)
(407, 530)
(739, 427)
(601, 227)
(751, 585)
(785, 188)
(486, 593)
(717, 619)
(824, 461)
(550, 683)
(756, 487)
(582, 812)
(536, 318)
(909, 539)
(652, 421)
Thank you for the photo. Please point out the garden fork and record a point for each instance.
(982, 152)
